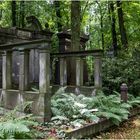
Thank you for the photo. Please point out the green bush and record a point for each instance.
(122, 70)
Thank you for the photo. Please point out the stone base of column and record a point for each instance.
(43, 109)
(9, 99)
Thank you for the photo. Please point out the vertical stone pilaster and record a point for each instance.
(44, 102)
(51, 71)
(6, 76)
(7, 70)
(24, 70)
(98, 71)
(44, 73)
(63, 71)
(79, 74)
(81, 71)
(78, 71)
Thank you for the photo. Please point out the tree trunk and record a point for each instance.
(22, 14)
(113, 30)
(58, 14)
(1, 11)
(75, 25)
(13, 9)
(101, 23)
(75, 37)
(59, 27)
(121, 25)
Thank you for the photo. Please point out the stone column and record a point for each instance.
(7, 70)
(6, 77)
(24, 70)
(98, 71)
(124, 92)
(79, 74)
(44, 102)
(78, 71)
(63, 71)
(81, 71)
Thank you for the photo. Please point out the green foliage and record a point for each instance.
(122, 70)
(92, 12)
(110, 107)
(13, 129)
(134, 101)
(13, 126)
(71, 107)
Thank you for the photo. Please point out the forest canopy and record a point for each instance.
(112, 25)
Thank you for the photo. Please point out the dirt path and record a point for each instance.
(127, 130)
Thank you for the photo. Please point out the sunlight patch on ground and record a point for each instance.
(127, 130)
(137, 122)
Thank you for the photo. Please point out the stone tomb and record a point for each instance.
(23, 54)
(25, 59)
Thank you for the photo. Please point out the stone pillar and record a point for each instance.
(24, 70)
(51, 71)
(82, 71)
(124, 92)
(44, 102)
(7, 70)
(98, 71)
(79, 74)
(63, 71)
(78, 71)
(6, 77)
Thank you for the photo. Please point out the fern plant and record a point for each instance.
(71, 106)
(134, 101)
(74, 107)
(13, 129)
(16, 127)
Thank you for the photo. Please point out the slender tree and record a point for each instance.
(101, 23)
(113, 27)
(75, 25)
(1, 11)
(59, 27)
(121, 24)
(75, 35)
(22, 14)
(13, 15)
(58, 14)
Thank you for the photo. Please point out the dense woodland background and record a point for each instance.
(110, 24)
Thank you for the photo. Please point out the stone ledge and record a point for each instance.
(87, 91)
(94, 128)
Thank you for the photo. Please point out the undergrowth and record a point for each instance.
(70, 111)
(68, 106)
(15, 126)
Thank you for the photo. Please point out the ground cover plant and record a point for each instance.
(15, 126)
(72, 111)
